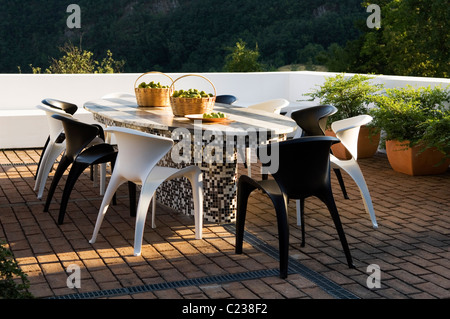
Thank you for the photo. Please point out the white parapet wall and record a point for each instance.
(23, 126)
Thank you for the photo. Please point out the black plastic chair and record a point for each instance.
(60, 105)
(226, 99)
(65, 106)
(313, 121)
(303, 171)
(78, 153)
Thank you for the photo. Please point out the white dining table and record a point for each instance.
(217, 148)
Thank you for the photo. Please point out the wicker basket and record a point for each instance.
(153, 97)
(182, 106)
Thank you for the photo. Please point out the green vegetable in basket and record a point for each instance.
(191, 93)
(152, 85)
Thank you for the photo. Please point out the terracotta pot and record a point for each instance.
(367, 145)
(410, 160)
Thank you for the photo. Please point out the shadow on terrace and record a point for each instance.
(410, 247)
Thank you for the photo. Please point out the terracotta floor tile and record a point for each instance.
(411, 245)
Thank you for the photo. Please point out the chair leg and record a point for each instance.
(113, 164)
(153, 202)
(63, 165)
(102, 178)
(75, 172)
(283, 233)
(42, 154)
(367, 200)
(147, 193)
(337, 171)
(302, 219)
(48, 160)
(113, 185)
(243, 192)
(248, 160)
(132, 196)
(331, 205)
(300, 205)
(356, 174)
(93, 173)
(195, 177)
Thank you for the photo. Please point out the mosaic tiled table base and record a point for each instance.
(219, 181)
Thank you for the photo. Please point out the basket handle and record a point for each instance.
(214, 88)
(154, 72)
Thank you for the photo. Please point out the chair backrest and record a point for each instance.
(274, 106)
(61, 105)
(347, 130)
(304, 165)
(78, 134)
(117, 95)
(138, 152)
(55, 126)
(313, 120)
(226, 99)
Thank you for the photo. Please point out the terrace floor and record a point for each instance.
(411, 245)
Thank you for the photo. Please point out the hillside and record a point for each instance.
(176, 35)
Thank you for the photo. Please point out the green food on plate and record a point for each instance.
(218, 115)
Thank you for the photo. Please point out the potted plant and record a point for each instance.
(416, 126)
(351, 95)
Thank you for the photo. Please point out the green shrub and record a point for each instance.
(350, 95)
(437, 133)
(14, 283)
(75, 60)
(414, 115)
(242, 59)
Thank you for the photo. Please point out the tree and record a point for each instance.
(242, 59)
(76, 60)
(413, 41)
(310, 53)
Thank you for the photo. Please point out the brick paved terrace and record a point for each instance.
(411, 245)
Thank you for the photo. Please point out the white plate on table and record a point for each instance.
(199, 117)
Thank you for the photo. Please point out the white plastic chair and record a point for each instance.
(138, 155)
(347, 131)
(272, 106)
(117, 95)
(55, 147)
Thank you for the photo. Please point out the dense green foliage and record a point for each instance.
(414, 115)
(176, 35)
(242, 59)
(413, 40)
(437, 132)
(196, 35)
(350, 95)
(77, 60)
